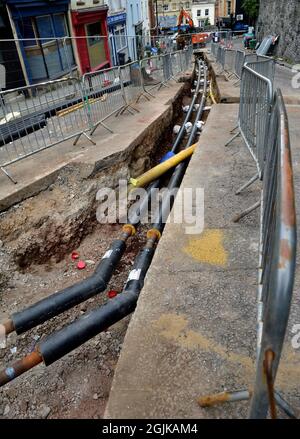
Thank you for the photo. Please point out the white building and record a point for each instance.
(203, 12)
(137, 26)
(117, 31)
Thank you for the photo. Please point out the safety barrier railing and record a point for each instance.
(36, 117)
(40, 116)
(254, 114)
(104, 96)
(214, 48)
(156, 71)
(277, 262)
(241, 58)
(153, 73)
(234, 61)
(256, 97)
(131, 78)
(263, 65)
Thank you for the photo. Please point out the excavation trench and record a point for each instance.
(43, 265)
(47, 227)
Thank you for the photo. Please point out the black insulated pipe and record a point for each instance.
(67, 298)
(92, 323)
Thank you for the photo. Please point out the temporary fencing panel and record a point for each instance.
(40, 116)
(254, 113)
(103, 95)
(277, 259)
(132, 82)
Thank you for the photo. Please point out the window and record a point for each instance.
(27, 30)
(120, 39)
(92, 30)
(187, 6)
(96, 45)
(228, 7)
(198, 12)
(60, 25)
(45, 28)
(165, 7)
(174, 6)
(206, 12)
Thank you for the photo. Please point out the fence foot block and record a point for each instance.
(8, 175)
(246, 212)
(246, 185)
(232, 138)
(220, 398)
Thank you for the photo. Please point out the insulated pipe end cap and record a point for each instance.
(154, 233)
(130, 229)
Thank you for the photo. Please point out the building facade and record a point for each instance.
(138, 27)
(89, 28)
(11, 69)
(203, 12)
(38, 25)
(168, 11)
(117, 29)
(224, 8)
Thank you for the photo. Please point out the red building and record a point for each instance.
(89, 24)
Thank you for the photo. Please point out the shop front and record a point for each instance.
(118, 39)
(90, 30)
(42, 28)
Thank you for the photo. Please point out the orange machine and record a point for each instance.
(184, 14)
(200, 39)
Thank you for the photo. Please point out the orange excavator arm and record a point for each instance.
(186, 15)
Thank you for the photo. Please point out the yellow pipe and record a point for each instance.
(160, 169)
(212, 94)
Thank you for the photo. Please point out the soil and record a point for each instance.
(78, 385)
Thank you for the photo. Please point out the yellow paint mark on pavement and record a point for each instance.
(208, 248)
(174, 327)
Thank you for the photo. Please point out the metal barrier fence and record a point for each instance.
(36, 117)
(214, 49)
(254, 114)
(154, 71)
(277, 262)
(47, 114)
(277, 259)
(234, 61)
(263, 65)
(103, 93)
(131, 78)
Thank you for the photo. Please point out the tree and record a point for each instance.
(251, 8)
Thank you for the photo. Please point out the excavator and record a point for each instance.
(197, 39)
(182, 39)
(184, 14)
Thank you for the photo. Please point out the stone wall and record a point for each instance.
(278, 17)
